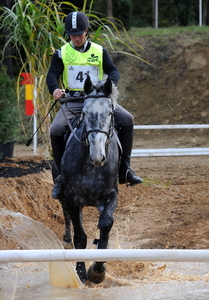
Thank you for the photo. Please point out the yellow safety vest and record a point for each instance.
(77, 65)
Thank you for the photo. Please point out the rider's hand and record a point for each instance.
(58, 93)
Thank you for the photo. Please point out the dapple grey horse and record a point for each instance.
(90, 172)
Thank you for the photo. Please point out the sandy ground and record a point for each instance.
(170, 210)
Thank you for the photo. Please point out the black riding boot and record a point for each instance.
(58, 148)
(126, 174)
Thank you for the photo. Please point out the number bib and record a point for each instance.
(78, 74)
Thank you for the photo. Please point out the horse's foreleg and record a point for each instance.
(80, 239)
(106, 219)
(96, 273)
(67, 239)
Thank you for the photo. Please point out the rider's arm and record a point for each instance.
(55, 72)
(109, 68)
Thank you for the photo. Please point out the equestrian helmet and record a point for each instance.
(76, 23)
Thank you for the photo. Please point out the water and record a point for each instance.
(125, 280)
(30, 234)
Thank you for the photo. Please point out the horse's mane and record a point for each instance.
(113, 95)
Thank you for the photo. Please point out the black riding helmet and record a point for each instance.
(76, 23)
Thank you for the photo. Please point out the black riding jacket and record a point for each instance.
(56, 69)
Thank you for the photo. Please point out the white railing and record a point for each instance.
(171, 151)
(171, 255)
(178, 126)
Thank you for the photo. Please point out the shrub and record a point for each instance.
(9, 117)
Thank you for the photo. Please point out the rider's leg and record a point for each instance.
(57, 131)
(126, 173)
(58, 148)
(126, 121)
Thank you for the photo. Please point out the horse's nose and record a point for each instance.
(103, 160)
(98, 162)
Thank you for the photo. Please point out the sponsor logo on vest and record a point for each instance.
(93, 58)
(70, 68)
(70, 57)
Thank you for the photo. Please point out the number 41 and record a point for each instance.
(81, 76)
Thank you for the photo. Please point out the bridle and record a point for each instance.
(108, 133)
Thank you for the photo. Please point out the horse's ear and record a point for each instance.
(108, 86)
(87, 85)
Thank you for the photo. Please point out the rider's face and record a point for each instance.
(79, 40)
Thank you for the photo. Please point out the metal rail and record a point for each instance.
(171, 151)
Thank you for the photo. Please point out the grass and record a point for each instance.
(171, 31)
(147, 37)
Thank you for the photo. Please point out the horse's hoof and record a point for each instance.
(96, 273)
(83, 278)
(67, 245)
(67, 241)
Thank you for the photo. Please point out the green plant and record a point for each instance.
(35, 29)
(9, 116)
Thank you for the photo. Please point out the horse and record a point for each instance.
(89, 169)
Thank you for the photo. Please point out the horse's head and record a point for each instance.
(98, 117)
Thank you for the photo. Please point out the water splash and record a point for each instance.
(31, 234)
(125, 280)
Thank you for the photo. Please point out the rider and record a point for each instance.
(70, 63)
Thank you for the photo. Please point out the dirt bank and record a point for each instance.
(171, 209)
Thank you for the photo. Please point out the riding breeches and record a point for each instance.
(59, 125)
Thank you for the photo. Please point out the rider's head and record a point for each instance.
(76, 23)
